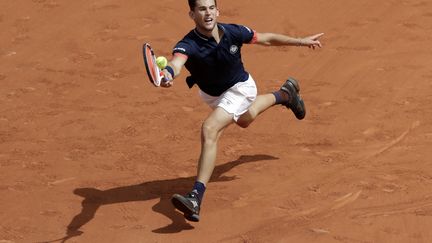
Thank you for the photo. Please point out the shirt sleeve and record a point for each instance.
(248, 35)
(182, 48)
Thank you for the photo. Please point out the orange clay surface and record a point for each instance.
(90, 151)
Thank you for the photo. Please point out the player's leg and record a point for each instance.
(262, 103)
(288, 95)
(211, 131)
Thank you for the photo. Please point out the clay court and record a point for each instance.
(90, 151)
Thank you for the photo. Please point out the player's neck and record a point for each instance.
(217, 34)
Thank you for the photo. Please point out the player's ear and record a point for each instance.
(191, 15)
(217, 12)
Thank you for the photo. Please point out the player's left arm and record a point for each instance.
(272, 39)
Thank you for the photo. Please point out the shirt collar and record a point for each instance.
(206, 38)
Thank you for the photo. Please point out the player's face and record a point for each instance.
(205, 15)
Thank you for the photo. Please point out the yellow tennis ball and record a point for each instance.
(161, 62)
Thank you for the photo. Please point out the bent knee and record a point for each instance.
(245, 120)
(243, 124)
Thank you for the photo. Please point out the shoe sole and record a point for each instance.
(295, 84)
(181, 204)
(299, 101)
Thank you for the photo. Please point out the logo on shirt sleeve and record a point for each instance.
(180, 49)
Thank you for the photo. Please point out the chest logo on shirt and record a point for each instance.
(234, 49)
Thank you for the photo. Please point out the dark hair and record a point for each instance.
(192, 4)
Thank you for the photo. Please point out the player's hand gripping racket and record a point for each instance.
(153, 71)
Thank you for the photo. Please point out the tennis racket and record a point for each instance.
(154, 74)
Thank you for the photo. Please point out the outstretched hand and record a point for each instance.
(167, 80)
(312, 41)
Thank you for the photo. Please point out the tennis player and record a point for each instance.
(211, 52)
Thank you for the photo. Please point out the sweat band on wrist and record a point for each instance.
(170, 70)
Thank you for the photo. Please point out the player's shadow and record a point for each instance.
(163, 189)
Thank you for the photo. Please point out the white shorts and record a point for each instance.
(236, 100)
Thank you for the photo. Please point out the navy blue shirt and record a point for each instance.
(215, 67)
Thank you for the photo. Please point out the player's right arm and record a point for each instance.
(176, 64)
